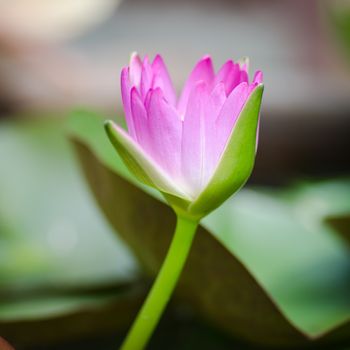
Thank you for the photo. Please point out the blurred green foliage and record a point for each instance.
(340, 18)
(51, 231)
(62, 266)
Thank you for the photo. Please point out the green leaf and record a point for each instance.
(237, 160)
(49, 225)
(258, 268)
(326, 202)
(294, 256)
(61, 267)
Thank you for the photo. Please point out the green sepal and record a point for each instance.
(237, 160)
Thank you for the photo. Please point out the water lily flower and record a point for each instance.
(199, 148)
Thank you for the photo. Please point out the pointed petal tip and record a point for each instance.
(113, 128)
(109, 125)
(134, 96)
(156, 95)
(229, 63)
(258, 77)
(156, 92)
(116, 133)
(260, 86)
(135, 67)
(124, 76)
(134, 55)
(110, 129)
(133, 91)
(255, 86)
(244, 63)
(206, 59)
(134, 59)
(125, 69)
(145, 60)
(157, 57)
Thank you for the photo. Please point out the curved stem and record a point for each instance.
(157, 299)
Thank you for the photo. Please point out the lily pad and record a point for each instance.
(326, 202)
(257, 269)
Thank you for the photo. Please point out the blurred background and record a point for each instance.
(59, 55)
(58, 254)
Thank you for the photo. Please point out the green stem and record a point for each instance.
(157, 299)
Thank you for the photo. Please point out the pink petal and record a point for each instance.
(229, 115)
(193, 138)
(258, 77)
(202, 71)
(244, 64)
(217, 99)
(224, 72)
(162, 80)
(257, 80)
(230, 75)
(146, 77)
(139, 115)
(244, 78)
(226, 75)
(135, 70)
(165, 129)
(214, 105)
(125, 90)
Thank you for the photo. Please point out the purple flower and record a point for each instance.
(178, 145)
